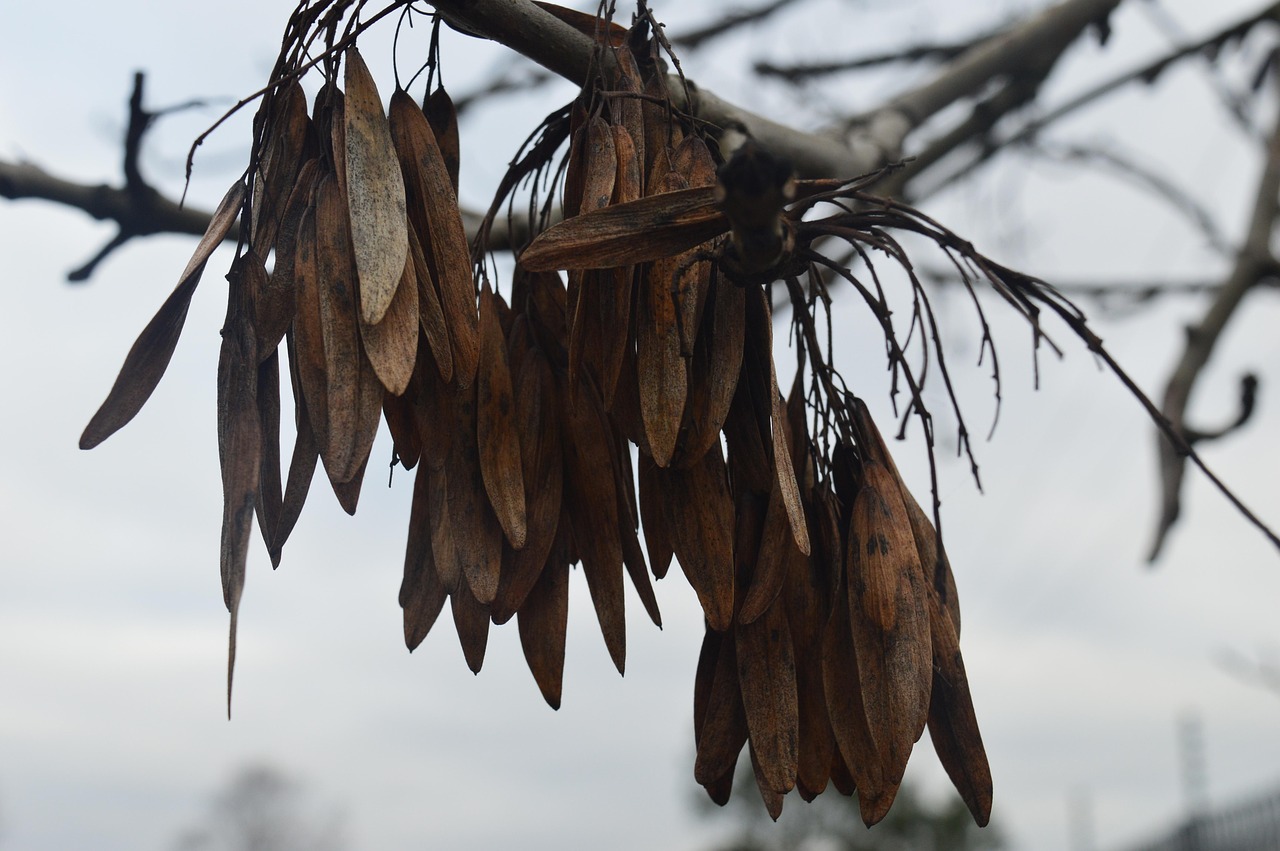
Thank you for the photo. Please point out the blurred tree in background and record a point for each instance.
(263, 809)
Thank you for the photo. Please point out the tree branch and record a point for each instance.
(1254, 264)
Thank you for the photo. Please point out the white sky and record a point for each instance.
(112, 629)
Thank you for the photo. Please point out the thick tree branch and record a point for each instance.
(521, 25)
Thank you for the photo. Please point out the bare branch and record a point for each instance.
(728, 23)
(1146, 73)
(929, 52)
(1254, 264)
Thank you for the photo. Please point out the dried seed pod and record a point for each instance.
(430, 312)
(269, 502)
(704, 678)
(724, 723)
(477, 536)
(714, 368)
(354, 393)
(693, 160)
(889, 618)
(806, 597)
(615, 291)
(471, 620)
(542, 620)
(308, 334)
(443, 540)
(392, 344)
(700, 520)
(772, 798)
(375, 193)
(302, 465)
(542, 467)
(435, 216)
(847, 712)
(770, 567)
(646, 230)
(421, 594)
(657, 537)
(767, 678)
(953, 725)
(498, 439)
(239, 450)
(590, 498)
(661, 369)
(399, 414)
(281, 155)
(149, 356)
(443, 117)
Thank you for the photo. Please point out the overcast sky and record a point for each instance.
(113, 732)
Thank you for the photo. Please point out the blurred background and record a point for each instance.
(1116, 699)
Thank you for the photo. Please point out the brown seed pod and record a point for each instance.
(471, 620)
(724, 722)
(847, 713)
(435, 216)
(498, 438)
(392, 345)
(477, 536)
(767, 677)
(269, 502)
(889, 618)
(430, 312)
(953, 725)
(353, 391)
(657, 537)
(661, 370)
(149, 356)
(421, 594)
(590, 498)
(542, 620)
(542, 467)
(239, 450)
(714, 368)
(281, 155)
(700, 520)
(302, 465)
(443, 117)
(375, 192)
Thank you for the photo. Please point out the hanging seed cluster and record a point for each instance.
(639, 391)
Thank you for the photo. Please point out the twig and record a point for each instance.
(728, 23)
